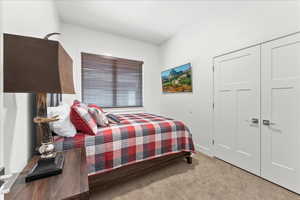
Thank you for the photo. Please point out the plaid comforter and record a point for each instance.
(138, 137)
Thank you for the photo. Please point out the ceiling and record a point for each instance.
(154, 21)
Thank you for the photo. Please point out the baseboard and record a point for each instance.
(204, 150)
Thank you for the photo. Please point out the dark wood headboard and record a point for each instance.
(54, 99)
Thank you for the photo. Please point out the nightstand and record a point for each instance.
(71, 184)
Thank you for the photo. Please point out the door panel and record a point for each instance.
(280, 105)
(237, 102)
(224, 142)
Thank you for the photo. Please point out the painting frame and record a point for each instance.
(177, 79)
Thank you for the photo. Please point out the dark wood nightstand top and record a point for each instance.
(71, 184)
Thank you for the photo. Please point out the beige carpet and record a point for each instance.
(206, 179)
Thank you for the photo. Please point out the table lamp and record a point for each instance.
(39, 66)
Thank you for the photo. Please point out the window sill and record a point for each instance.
(125, 110)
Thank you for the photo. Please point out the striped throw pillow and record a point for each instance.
(98, 116)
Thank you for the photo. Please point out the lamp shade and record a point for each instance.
(33, 65)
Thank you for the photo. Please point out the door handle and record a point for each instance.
(254, 121)
(267, 123)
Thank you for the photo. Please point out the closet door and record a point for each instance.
(237, 108)
(281, 112)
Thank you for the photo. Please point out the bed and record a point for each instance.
(140, 143)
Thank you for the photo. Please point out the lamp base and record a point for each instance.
(46, 167)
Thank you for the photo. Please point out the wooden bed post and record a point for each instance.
(188, 157)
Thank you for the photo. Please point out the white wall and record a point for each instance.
(238, 25)
(29, 18)
(77, 39)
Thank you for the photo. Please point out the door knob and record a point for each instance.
(253, 121)
(267, 122)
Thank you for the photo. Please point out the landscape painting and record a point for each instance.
(178, 79)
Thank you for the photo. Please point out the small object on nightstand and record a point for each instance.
(72, 183)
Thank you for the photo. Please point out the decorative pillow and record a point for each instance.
(113, 118)
(98, 116)
(96, 106)
(82, 119)
(63, 126)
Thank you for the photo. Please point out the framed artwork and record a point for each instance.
(178, 79)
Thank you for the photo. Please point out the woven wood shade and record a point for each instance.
(111, 82)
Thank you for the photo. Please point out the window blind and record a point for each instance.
(111, 82)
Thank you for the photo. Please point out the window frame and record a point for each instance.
(115, 59)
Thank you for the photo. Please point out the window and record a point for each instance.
(111, 82)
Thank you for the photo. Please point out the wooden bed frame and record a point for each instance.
(125, 173)
(104, 180)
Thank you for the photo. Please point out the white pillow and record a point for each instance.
(63, 126)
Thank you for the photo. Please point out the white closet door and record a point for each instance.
(281, 112)
(237, 108)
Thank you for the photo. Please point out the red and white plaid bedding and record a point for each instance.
(138, 137)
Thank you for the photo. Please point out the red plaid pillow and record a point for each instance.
(82, 119)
